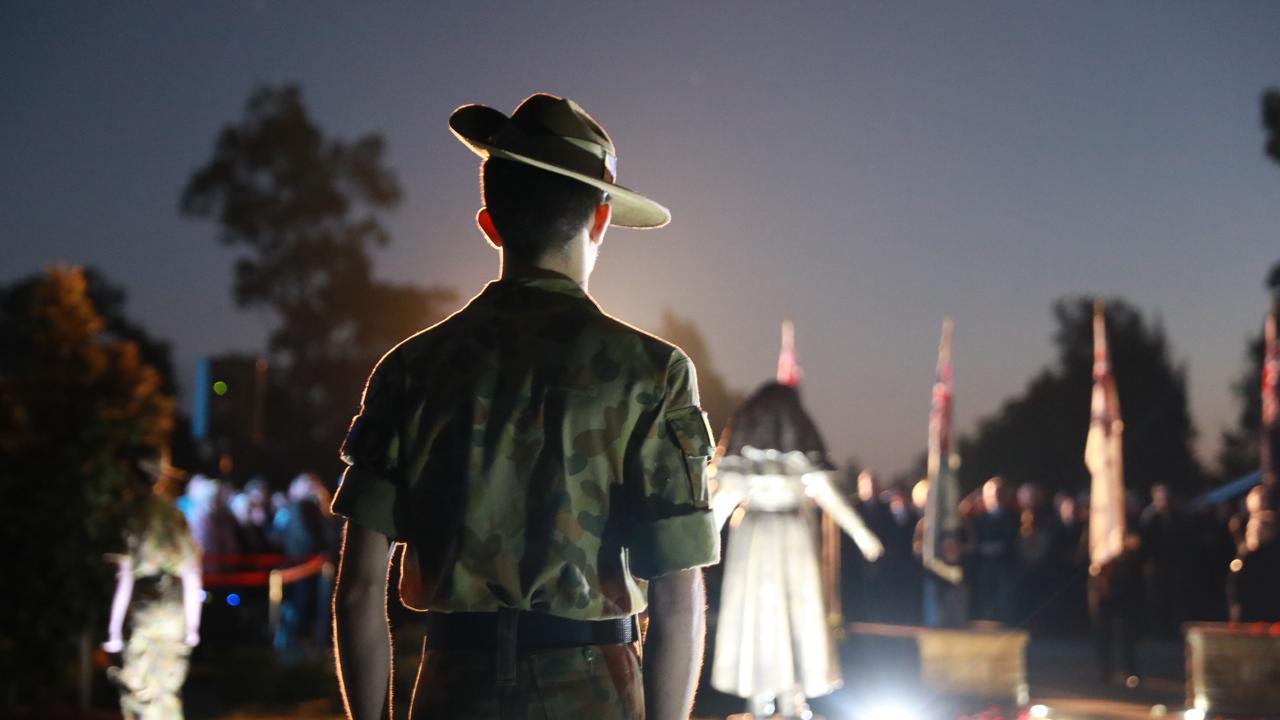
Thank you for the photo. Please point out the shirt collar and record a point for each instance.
(540, 279)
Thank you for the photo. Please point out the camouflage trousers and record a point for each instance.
(593, 682)
(155, 664)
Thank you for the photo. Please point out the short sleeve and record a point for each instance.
(675, 529)
(370, 493)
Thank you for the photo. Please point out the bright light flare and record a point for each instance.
(889, 710)
(1194, 714)
(1039, 711)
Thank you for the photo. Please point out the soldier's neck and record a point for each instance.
(558, 263)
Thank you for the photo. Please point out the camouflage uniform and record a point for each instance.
(156, 654)
(534, 453)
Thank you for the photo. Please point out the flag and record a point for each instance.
(1103, 454)
(942, 504)
(789, 372)
(1270, 425)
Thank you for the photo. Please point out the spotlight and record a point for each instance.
(1194, 714)
(889, 710)
(1039, 711)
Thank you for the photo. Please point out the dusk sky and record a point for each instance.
(862, 168)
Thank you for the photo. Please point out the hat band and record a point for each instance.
(575, 154)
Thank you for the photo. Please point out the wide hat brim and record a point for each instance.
(476, 125)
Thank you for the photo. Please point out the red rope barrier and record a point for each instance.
(255, 578)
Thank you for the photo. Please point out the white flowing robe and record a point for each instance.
(772, 635)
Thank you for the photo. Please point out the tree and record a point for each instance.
(77, 404)
(1039, 436)
(1239, 453)
(306, 212)
(1271, 123)
(718, 399)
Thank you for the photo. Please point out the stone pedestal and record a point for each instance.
(1233, 669)
(975, 663)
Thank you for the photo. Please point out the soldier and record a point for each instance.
(158, 586)
(543, 462)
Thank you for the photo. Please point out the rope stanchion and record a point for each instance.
(275, 596)
(263, 570)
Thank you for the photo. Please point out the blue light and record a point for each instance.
(233, 600)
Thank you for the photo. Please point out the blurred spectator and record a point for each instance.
(995, 534)
(1255, 576)
(1210, 550)
(1115, 610)
(863, 583)
(213, 525)
(197, 497)
(944, 602)
(1036, 578)
(302, 532)
(158, 589)
(1163, 530)
(252, 511)
(892, 585)
(1068, 557)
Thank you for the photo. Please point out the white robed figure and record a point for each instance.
(773, 643)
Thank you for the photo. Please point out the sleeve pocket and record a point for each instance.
(692, 431)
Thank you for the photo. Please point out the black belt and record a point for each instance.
(479, 631)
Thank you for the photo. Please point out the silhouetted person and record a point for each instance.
(1115, 610)
(1210, 551)
(1163, 531)
(899, 587)
(995, 535)
(1068, 613)
(1036, 580)
(862, 583)
(1255, 577)
(544, 464)
(303, 535)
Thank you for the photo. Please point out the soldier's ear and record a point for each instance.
(485, 221)
(600, 222)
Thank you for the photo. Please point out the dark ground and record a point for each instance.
(251, 683)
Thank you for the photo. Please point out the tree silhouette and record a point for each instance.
(1239, 453)
(305, 210)
(77, 404)
(1039, 436)
(1271, 123)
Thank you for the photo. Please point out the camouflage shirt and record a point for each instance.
(534, 453)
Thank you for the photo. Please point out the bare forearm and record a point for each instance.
(120, 602)
(673, 645)
(192, 586)
(360, 630)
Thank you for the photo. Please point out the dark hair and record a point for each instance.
(535, 211)
(772, 418)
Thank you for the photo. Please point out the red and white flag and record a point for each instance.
(1270, 372)
(1103, 454)
(789, 372)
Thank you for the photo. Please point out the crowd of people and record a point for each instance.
(254, 528)
(1026, 564)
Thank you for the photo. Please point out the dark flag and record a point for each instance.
(942, 506)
